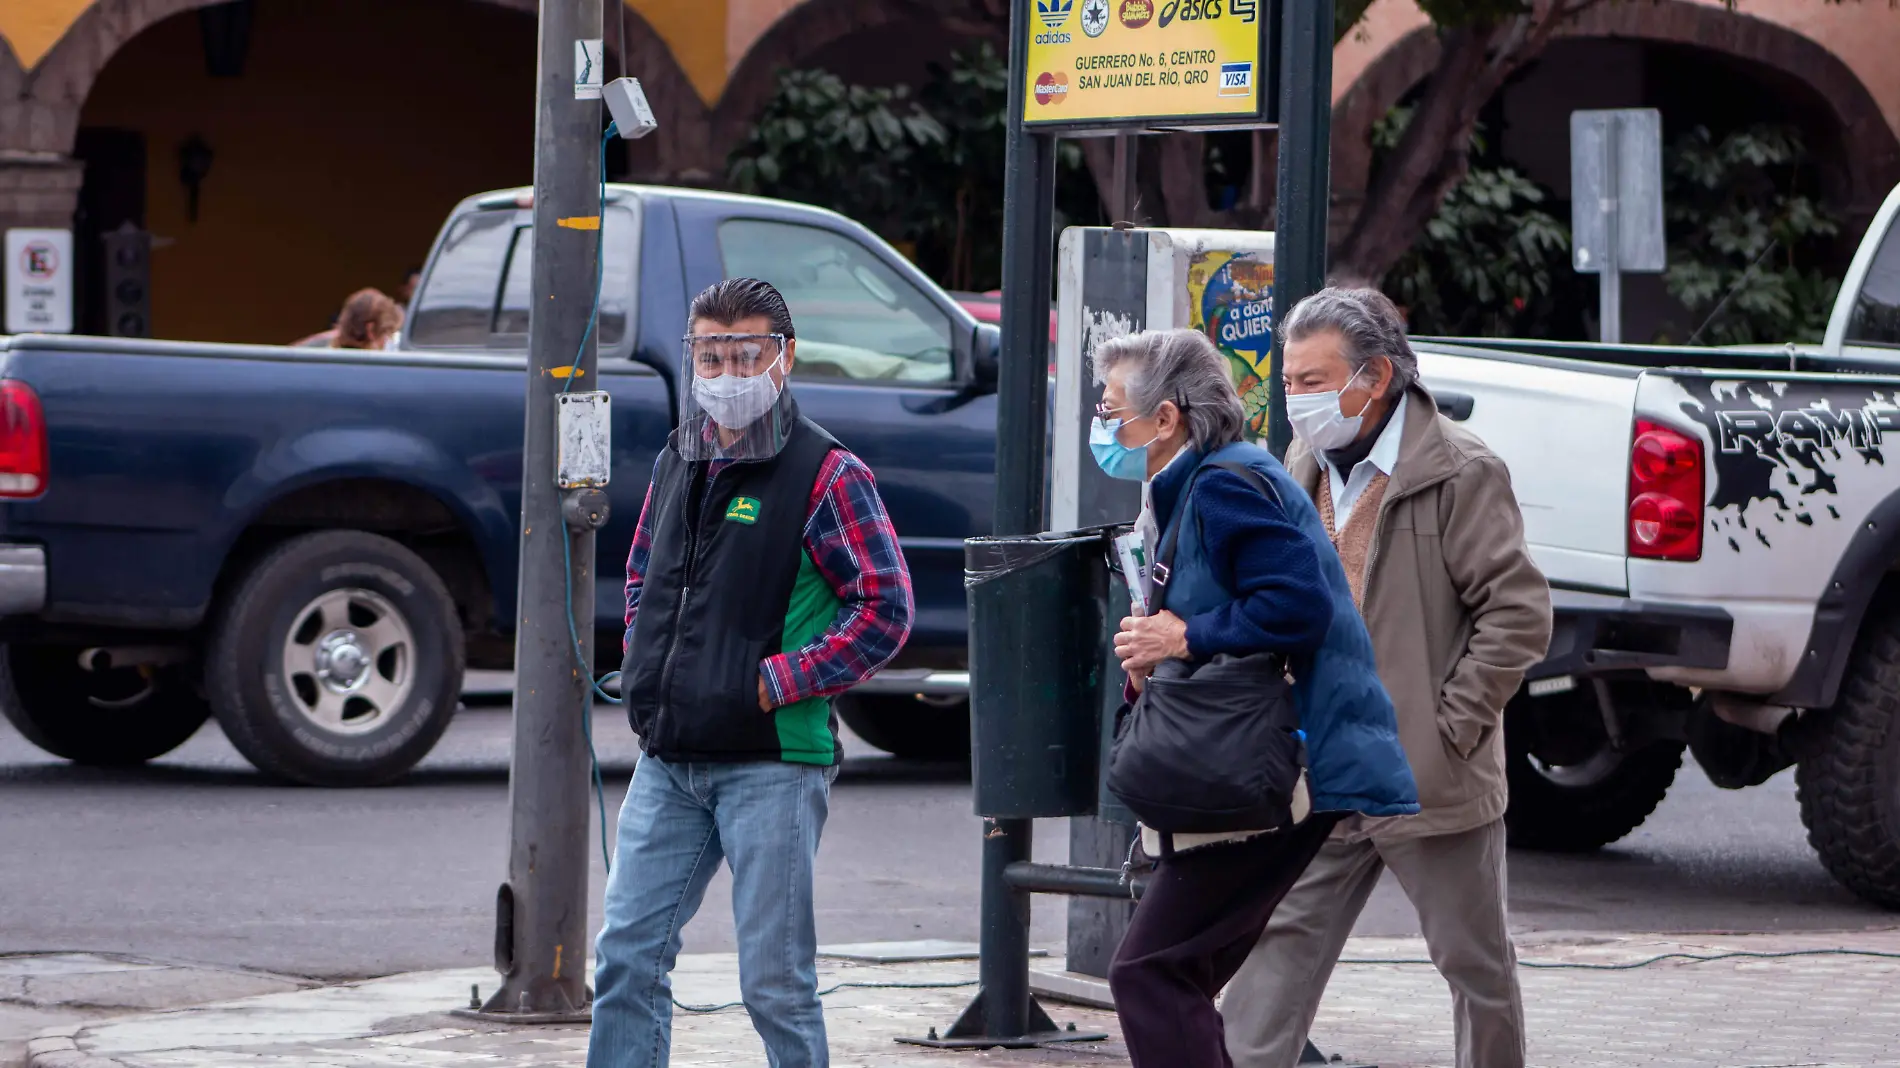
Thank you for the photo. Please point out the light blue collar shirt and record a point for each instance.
(1384, 457)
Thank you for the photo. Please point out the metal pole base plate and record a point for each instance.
(578, 1016)
(971, 1032)
(1312, 1055)
(1029, 1041)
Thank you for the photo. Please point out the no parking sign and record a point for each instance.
(39, 269)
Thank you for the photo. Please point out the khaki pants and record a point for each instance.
(1455, 881)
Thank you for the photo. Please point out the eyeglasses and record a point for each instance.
(745, 355)
(1104, 411)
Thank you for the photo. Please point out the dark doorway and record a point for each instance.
(112, 193)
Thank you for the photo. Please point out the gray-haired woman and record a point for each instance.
(1252, 573)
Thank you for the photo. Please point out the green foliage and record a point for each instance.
(1346, 16)
(1740, 229)
(925, 171)
(1454, 14)
(1486, 262)
(958, 224)
(824, 142)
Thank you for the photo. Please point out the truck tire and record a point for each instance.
(336, 660)
(1572, 792)
(907, 727)
(1848, 781)
(114, 718)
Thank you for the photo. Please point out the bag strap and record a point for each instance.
(1163, 564)
(1255, 479)
(1162, 567)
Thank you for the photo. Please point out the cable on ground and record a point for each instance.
(1689, 958)
(951, 984)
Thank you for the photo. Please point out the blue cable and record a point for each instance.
(567, 537)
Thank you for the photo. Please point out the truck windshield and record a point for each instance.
(476, 294)
(1876, 318)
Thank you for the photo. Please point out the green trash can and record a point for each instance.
(1038, 618)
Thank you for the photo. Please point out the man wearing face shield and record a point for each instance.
(1424, 519)
(765, 577)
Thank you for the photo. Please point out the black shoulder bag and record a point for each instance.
(1214, 746)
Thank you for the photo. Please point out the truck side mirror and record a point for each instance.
(986, 355)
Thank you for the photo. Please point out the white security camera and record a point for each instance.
(627, 103)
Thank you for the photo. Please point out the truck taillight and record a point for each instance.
(1665, 497)
(22, 441)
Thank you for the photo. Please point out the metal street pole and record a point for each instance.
(1021, 430)
(541, 932)
(1305, 180)
(1610, 293)
(1304, 192)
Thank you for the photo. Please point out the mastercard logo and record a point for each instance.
(1051, 88)
(1136, 13)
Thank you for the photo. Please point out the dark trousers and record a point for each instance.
(1202, 913)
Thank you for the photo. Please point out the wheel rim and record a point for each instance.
(350, 659)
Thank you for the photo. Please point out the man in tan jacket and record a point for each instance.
(1426, 524)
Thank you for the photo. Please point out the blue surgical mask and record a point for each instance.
(1115, 459)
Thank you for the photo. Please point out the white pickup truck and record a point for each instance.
(1721, 531)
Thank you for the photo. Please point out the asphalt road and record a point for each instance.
(197, 858)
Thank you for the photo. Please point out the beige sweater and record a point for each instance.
(1355, 542)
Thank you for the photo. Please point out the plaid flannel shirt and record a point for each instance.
(849, 536)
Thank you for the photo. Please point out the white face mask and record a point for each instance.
(736, 401)
(1319, 421)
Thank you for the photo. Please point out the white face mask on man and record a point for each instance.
(737, 401)
(1318, 420)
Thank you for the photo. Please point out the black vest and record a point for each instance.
(713, 600)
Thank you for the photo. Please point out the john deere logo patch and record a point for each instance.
(743, 510)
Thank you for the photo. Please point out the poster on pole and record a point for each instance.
(39, 274)
(1147, 64)
(1230, 299)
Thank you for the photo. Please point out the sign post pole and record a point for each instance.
(1305, 182)
(1610, 293)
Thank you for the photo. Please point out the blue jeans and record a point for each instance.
(678, 821)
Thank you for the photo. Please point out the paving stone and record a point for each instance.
(1819, 1011)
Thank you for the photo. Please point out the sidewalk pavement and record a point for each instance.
(40, 990)
(1815, 1011)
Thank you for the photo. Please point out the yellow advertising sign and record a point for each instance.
(1098, 62)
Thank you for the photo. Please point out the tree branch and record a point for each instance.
(1431, 157)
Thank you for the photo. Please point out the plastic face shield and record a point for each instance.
(731, 406)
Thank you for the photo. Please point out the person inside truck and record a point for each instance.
(369, 320)
(1252, 572)
(765, 577)
(1425, 521)
(406, 293)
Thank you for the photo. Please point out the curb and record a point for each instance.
(58, 1047)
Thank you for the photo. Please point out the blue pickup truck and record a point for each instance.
(313, 544)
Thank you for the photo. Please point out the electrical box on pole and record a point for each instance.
(1616, 203)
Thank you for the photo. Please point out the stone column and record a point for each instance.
(38, 189)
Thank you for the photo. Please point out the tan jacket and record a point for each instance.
(1457, 612)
